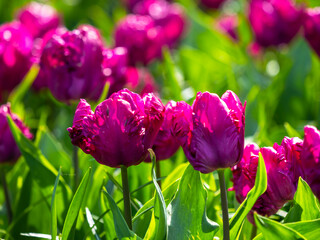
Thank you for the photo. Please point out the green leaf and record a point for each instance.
(259, 188)
(41, 169)
(187, 217)
(120, 224)
(18, 93)
(158, 228)
(75, 206)
(274, 230)
(54, 226)
(92, 224)
(305, 198)
(291, 131)
(309, 229)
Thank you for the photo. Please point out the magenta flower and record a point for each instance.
(170, 17)
(280, 162)
(274, 22)
(132, 3)
(141, 81)
(167, 143)
(73, 64)
(311, 28)
(214, 4)
(121, 129)
(228, 24)
(15, 55)
(141, 37)
(9, 151)
(310, 158)
(39, 18)
(216, 133)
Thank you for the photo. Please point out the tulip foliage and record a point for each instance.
(160, 119)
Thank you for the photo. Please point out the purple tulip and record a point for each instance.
(15, 55)
(166, 143)
(39, 18)
(228, 25)
(214, 4)
(310, 158)
(311, 28)
(41, 80)
(170, 17)
(121, 129)
(216, 135)
(132, 3)
(274, 22)
(141, 37)
(281, 161)
(141, 81)
(9, 151)
(73, 64)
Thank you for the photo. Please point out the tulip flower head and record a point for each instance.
(310, 158)
(121, 129)
(166, 143)
(274, 22)
(72, 61)
(9, 151)
(142, 38)
(311, 28)
(280, 161)
(216, 133)
(15, 55)
(39, 19)
(169, 17)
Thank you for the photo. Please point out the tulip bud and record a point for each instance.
(228, 25)
(121, 129)
(39, 19)
(141, 37)
(274, 22)
(72, 61)
(310, 158)
(214, 4)
(9, 151)
(311, 30)
(216, 136)
(170, 17)
(15, 55)
(280, 164)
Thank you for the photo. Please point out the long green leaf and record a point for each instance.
(307, 201)
(18, 93)
(158, 228)
(274, 230)
(54, 226)
(120, 224)
(187, 211)
(309, 229)
(75, 205)
(259, 188)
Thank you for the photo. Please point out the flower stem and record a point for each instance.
(76, 167)
(224, 204)
(253, 231)
(6, 194)
(158, 172)
(126, 196)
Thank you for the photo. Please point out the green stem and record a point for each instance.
(76, 167)
(6, 194)
(126, 196)
(224, 205)
(253, 231)
(158, 172)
